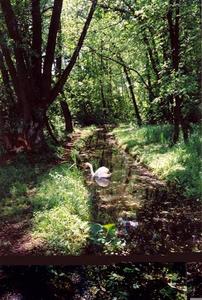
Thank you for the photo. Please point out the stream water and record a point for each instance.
(161, 221)
(117, 199)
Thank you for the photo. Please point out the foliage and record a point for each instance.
(139, 63)
(123, 35)
(179, 164)
(121, 281)
(105, 236)
(98, 90)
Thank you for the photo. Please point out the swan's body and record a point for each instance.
(104, 182)
(102, 172)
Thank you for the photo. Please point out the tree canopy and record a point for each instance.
(100, 62)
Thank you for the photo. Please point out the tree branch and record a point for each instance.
(25, 85)
(60, 83)
(10, 66)
(50, 48)
(36, 42)
(49, 129)
(116, 8)
(121, 63)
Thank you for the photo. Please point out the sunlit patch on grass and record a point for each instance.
(62, 231)
(179, 164)
(63, 185)
(62, 210)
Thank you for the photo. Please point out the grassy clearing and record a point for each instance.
(56, 196)
(179, 165)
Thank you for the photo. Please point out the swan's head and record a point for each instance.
(87, 165)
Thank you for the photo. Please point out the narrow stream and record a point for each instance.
(118, 198)
(164, 221)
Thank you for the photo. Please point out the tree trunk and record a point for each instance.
(36, 59)
(58, 69)
(31, 80)
(174, 7)
(50, 49)
(185, 129)
(137, 114)
(67, 116)
(153, 59)
(176, 115)
(102, 93)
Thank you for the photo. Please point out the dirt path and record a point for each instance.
(15, 237)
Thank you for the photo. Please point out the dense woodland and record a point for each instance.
(94, 62)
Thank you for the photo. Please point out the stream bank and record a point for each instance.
(162, 221)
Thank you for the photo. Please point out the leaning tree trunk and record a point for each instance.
(63, 104)
(49, 127)
(137, 114)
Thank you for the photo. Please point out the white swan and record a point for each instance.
(104, 182)
(102, 172)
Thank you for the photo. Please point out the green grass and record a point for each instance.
(179, 165)
(58, 199)
(16, 180)
(56, 196)
(62, 210)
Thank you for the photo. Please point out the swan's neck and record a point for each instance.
(91, 170)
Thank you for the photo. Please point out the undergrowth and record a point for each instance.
(54, 193)
(86, 133)
(179, 165)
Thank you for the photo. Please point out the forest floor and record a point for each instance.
(135, 212)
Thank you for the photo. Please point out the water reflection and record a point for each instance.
(114, 197)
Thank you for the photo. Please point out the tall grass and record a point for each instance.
(179, 164)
